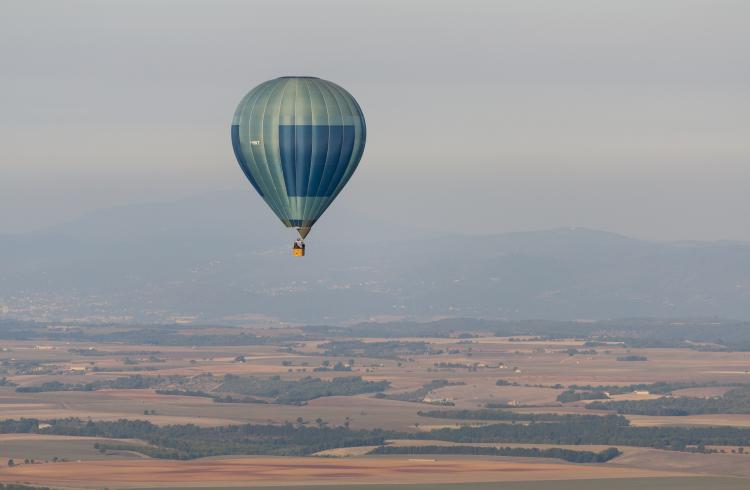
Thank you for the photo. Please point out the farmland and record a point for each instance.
(123, 407)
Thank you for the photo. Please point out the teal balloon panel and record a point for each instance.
(298, 140)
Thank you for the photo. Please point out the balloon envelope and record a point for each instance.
(298, 140)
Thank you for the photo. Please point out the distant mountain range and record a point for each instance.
(225, 257)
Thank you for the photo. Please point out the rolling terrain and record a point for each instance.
(244, 407)
(224, 257)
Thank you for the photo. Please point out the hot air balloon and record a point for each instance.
(298, 140)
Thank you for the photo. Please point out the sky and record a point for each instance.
(631, 116)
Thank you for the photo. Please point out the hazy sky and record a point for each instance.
(631, 116)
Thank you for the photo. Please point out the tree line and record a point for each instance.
(662, 387)
(302, 390)
(505, 415)
(216, 398)
(386, 350)
(135, 382)
(733, 401)
(16, 486)
(189, 441)
(571, 455)
(612, 430)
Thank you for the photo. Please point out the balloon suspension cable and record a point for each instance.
(303, 232)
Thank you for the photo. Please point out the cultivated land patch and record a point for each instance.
(676, 483)
(44, 448)
(533, 373)
(320, 471)
(632, 457)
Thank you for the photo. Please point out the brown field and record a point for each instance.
(43, 447)
(258, 471)
(537, 362)
(534, 365)
(668, 483)
(632, 457)
(362, 450)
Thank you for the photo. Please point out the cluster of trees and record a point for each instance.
(488, 414)
(135, 382)
(580, 352)
(574, 396)
(175, 337)
(388, 330)
(473, 367)
(128, 367)
(503, 382)
(734, 342)
(190, 441)
(662, 387)
(280, 390)
(504, 405)
(717, 344)
(338, 366)
(17, 486)
(612, 430)
(24, 366)
(100, 353)
(12, 329)
(167, 335)
(653, 407)
(571, 455)
(632, 357)
(216, 398)
(733, 401)
(695, 334)
(385, 350)
(420, 393)
(299, 391)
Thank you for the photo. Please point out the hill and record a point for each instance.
(224, 255)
